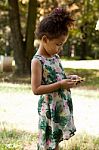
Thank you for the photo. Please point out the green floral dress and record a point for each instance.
(55, 109)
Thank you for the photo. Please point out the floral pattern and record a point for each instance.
(55, 109)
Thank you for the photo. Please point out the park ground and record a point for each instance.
(82, 64)
(18, 112)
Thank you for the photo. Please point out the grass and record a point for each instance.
(24, 88)
(14, 139)
(18, 140)
(15, 87)
(91, 77)
(81, 142)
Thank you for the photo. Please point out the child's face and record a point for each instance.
(54, 46)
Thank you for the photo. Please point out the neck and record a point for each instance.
(42, 51)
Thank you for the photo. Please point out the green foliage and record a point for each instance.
(4, 31)
(84, 38)
(87, 23)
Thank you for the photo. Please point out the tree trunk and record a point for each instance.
(83, 49)
(16, 36)
(31, 23)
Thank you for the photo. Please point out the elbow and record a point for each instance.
(35, 92)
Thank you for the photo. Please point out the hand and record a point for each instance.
(74, 77)
(67, 83)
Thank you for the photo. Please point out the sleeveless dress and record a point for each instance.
(55, 109)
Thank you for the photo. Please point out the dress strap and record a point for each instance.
(40, 58)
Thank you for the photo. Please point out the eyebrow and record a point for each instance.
(61, 43)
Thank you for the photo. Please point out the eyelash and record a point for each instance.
(59, 45)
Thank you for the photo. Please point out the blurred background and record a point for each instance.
(18, 44)
(19, 18)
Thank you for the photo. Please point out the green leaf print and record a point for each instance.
(56, 113)
(57, 134)
(50, 99)
(69, 102)
(48, 114)
(50, 148)
(63, 121)
(43, 124)
(48, 132)
(52, 74)
(59, 107)
(62, 94)
(40, 103)
(54, 108)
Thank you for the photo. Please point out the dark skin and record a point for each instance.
(53, 47)
(48, 48)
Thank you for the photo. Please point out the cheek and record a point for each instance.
(58, 48)
(55, 49)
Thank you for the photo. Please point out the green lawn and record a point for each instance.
(18, 140)
(91, 77)
(81, 142)
(15, 139)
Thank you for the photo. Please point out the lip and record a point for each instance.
(58, 51)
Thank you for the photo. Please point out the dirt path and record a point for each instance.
(84, 64)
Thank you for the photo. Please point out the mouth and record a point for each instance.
(58, 51)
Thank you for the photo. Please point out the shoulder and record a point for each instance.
(36, 59)
(40, 58)
(35, 64)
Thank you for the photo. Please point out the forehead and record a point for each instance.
(60, 39)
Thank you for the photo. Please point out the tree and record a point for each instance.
(4, 28)
(23, 16)
(22, 45)
(88, 36)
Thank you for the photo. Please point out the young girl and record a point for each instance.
(48, 79)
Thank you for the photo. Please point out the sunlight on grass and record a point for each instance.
(15, 139)
(87, 93)
(81, 142)
(9, 87)
(91, 77)
(18, 115)
(21, 140)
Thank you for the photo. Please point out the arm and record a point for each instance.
(36, 78)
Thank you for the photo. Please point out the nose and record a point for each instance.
(61, 48)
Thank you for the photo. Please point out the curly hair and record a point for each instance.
(55, 24)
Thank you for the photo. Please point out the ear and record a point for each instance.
(44, 39)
